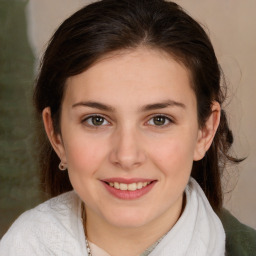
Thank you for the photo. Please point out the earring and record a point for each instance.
(62, 166)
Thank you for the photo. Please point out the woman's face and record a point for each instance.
(129, 135)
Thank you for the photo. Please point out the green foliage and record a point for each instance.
(18, 169)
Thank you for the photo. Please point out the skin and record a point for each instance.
(130, 144)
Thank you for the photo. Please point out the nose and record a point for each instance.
(127, 149)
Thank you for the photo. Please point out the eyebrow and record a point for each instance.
(148, 107)
(164, 104)
(93, 104)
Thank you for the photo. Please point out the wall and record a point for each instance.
(231, 25)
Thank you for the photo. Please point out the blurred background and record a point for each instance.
(25, 28)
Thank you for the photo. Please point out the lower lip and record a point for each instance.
(127, 194)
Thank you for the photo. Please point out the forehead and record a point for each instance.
(145, 74)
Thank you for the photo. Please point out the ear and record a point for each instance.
(55, 139)
(207, 132)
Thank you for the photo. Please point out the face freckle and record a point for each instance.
(128, 91)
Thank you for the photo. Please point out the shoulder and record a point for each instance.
(44, 229)
(240, 239)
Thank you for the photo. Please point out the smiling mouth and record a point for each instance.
(129, 187)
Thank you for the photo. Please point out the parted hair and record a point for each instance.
(112, 25)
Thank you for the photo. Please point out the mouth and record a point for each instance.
(128, 188)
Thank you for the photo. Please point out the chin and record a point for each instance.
(128, 219)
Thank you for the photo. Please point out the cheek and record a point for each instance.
(174, 157)
(84, 155)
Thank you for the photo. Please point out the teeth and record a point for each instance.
(123, 186)
(130, 187)
(116, 185)
(139, 185)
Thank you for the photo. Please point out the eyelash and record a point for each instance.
(86, 120)
(90, 123)
(166, 119)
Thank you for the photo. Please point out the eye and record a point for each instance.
(160, 120)
(96, 120)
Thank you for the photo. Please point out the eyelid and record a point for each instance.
(84, 120)
(170, 119)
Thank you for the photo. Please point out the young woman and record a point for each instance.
(130, 96)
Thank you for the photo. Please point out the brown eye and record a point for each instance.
(159, 121)
(96, 121)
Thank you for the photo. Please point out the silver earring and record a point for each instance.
(62, 166)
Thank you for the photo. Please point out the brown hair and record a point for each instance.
(111, 25)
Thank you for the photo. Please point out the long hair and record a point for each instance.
(111, 25)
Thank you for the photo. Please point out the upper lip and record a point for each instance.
(126, 180)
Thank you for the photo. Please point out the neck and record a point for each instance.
(129, 241)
